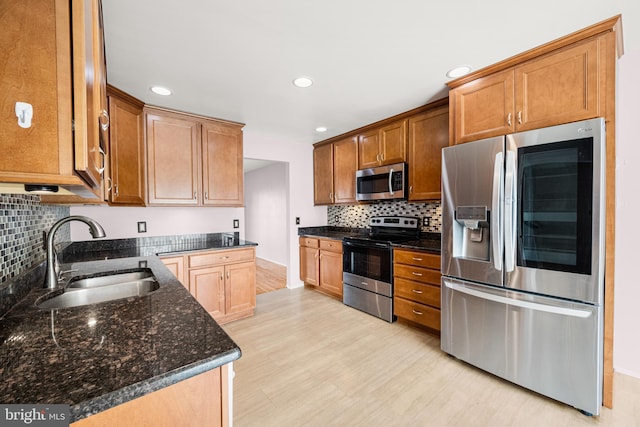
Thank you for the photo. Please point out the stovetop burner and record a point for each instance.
(390, 229)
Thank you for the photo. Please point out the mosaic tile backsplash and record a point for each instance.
(358, 215)
(22, 223)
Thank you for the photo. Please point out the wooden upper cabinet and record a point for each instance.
(559, 88)
(173, 154)
(562, 86)
(222, 175)
(345, 164)
(383, 146)
(126, 181)
(369, 149)
(192, 160)
(62, 77)
(484, 107)
(90, 110)
(428, 135)
(323, 174)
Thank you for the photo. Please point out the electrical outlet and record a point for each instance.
(236, 223)
(297, 220)
(142, 226)
(425, 221)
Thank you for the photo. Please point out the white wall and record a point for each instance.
(266, 193)
(626, 352)
(122, 222)
(300, 159)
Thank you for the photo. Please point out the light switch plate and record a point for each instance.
(236, 223)
(142, 226)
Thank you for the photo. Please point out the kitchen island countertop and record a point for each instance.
(98, 356)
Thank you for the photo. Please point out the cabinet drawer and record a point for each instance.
(331, 245)
(418, 313)
(421, 259)
(309, 242)
(419, 274)
(206, 259)
(418, 292)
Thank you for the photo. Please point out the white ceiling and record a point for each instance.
(369, 59)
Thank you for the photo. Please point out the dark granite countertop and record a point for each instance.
(429, 242)
(98, 356)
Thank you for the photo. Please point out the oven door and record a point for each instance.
(370, 260)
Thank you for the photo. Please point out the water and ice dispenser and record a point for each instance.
(471, 233)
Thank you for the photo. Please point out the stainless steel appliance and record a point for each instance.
(523, 258)
(367, 262)
(382, 183)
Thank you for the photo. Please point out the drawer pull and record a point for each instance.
(416, 291)
(364, 283)
(416, 274)
(224, 257)
(416, 312)
(416, 259)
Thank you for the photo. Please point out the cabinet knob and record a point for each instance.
(103, 119)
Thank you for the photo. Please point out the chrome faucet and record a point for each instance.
(96, 230)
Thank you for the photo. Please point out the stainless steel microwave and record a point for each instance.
(382, 183)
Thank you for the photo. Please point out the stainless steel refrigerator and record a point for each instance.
(523, 259)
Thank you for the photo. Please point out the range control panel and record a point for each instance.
(395, 221)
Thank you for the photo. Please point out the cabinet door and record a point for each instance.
(240, 287)
(89, 89)
(172, 159)
(323, 175)
(222, 176)
(331, 272)
(207, 286)
(369, 149)
(126, 152)
(309, 260)
(560, 87)
(428, 135)
(484, 107)
(393, 143)
(345, 164)
(175, 264)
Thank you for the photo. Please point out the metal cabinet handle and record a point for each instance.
(519, 117)
(364, 283)
(227, 275)
(110, 184)
(509, 119)
(416, 259)
(206, 195)
(115, 187)
(416, 291)
(224, 257)
(104, 160)
(195, 195)
(416, 274)
(104, 120)
(419, 313)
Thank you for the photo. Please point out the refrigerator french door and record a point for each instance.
(523, 258)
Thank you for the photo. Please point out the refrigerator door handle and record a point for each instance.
(510, 203)
(516, 302)
(496, 212)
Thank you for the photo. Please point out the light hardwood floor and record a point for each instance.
(308, 360)
(269, 276)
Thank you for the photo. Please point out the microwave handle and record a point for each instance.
(390, 181)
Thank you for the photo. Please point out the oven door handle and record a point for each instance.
(365, 245)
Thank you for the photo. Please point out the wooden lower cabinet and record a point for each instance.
(223, 281)
(203, 400)
(416, 281)
(321, 264)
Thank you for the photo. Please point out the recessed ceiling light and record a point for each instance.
(458, 71)
(159, 90)
(321, 129)
(303, 82)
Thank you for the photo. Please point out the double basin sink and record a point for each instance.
(103, 288)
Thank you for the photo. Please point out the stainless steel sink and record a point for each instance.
(93, 290)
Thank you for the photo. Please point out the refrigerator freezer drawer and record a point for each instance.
(551, 346)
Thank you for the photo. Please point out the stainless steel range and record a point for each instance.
(367, 261)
